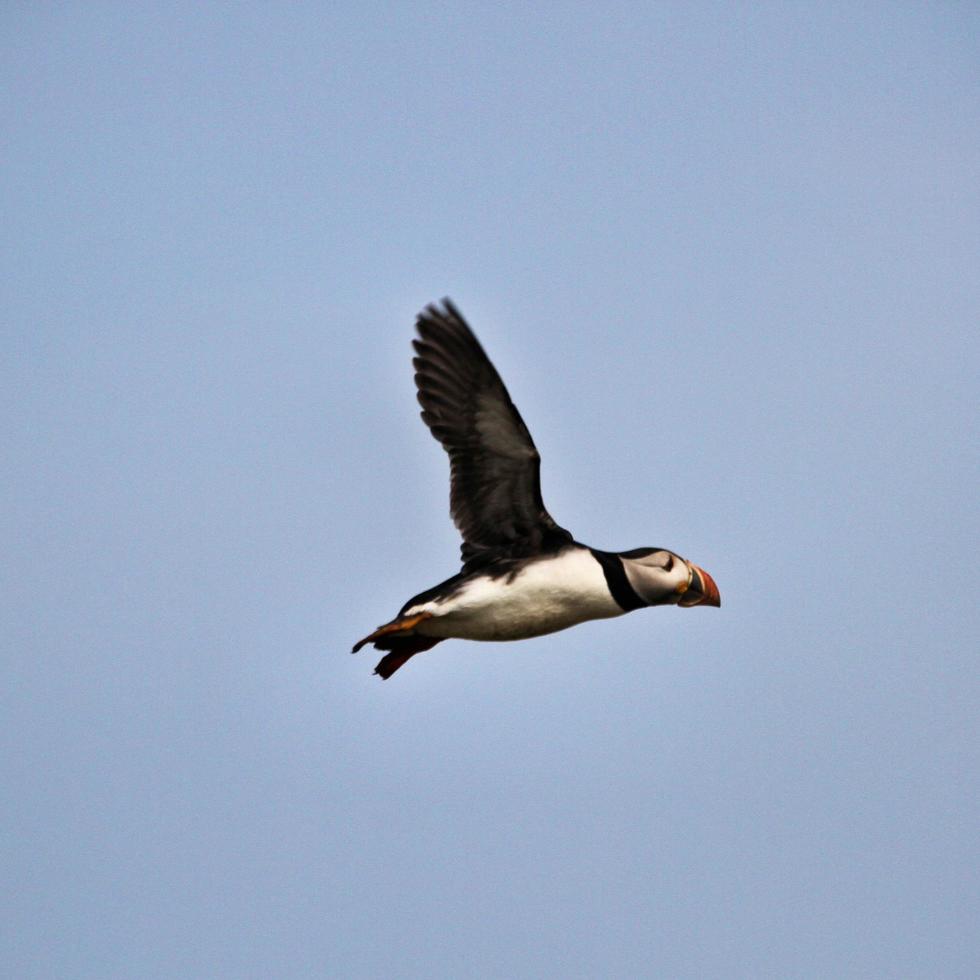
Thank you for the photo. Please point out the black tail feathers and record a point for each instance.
(402, 648)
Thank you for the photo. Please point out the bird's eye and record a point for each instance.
(669, 563)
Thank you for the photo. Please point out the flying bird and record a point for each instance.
(522, 574)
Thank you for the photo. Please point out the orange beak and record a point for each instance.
(702, 591)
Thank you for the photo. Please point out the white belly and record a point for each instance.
(548, 595)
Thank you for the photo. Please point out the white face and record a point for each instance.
(658, 577)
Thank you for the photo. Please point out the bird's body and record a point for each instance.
(521, 599)
(522, 575)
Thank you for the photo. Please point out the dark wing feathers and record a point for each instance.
(495, 496)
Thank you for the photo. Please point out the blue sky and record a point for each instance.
(725, 258)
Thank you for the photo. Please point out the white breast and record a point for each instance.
(547, 595)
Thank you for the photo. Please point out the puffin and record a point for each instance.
(522, 574)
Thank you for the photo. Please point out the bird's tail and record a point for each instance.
(402, 648)
(398, 637)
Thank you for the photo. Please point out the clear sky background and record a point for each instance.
(725, 257)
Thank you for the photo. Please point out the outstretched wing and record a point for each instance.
(495, 496)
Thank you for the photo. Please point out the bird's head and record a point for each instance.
(661, 578)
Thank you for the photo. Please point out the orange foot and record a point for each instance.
(396, 626)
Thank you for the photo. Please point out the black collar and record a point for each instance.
(619, 585)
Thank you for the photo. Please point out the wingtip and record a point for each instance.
(436, 309)
(440, 311)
